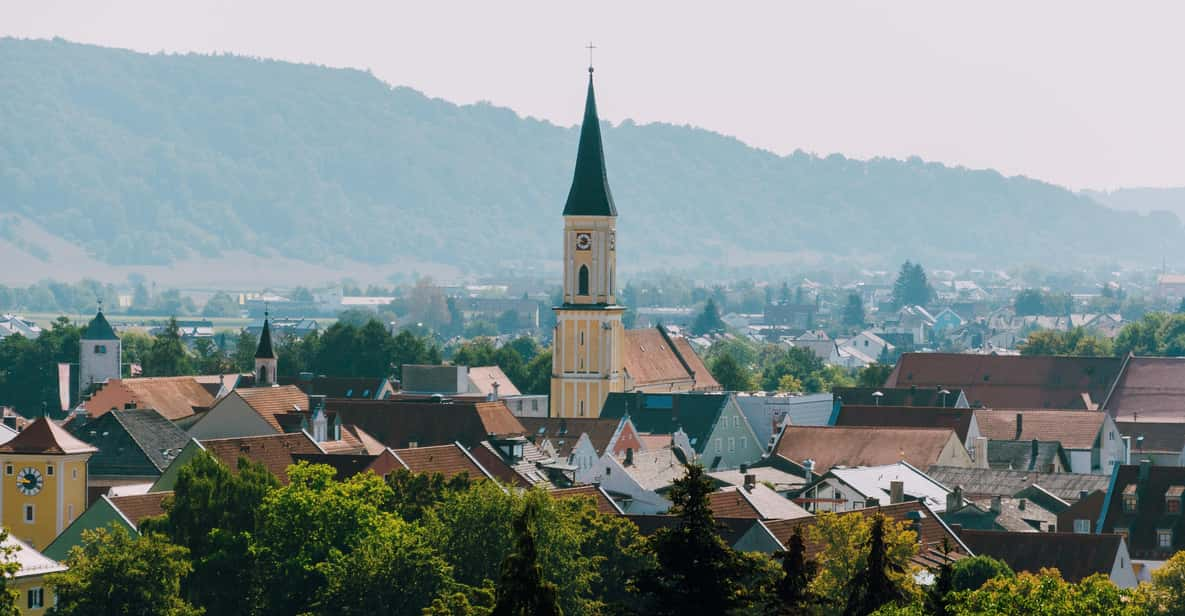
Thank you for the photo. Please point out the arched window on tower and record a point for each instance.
(263, 375)
(583, 281)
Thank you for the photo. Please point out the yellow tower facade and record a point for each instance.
(44, 473)
(589, 338)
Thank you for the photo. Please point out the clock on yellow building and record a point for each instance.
(44, 482)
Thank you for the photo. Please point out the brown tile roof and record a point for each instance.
(139, 506)
(652, 357)
(45, 437)
(448, 460)
(270, 402)
(1073, 429)
(1159, 436)
(958, 420)
(370, 444)
(603, 502)
(832, 446)
(563, 433)
(484, 377)
(931, 532)
(1149, 388)
(1077, 556)
(173, 397)
(731, 504)
(399, 423)
(1003, 381)
(274, 451)
(1150, 511)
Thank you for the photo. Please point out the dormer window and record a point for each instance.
(1130, 500)
(1164, 538)
(1172, 499)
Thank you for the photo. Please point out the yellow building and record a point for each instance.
(33, 595)
(44, 475)
(589, 336)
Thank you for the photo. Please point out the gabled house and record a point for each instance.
(638, 481)
(174, 397)
(1012, 381)
(716, 429)
(753, 500)
(276, 452)
(125, 511)
(135, 446)
(868, 345)
(961, 420)
(1075, 555)
(656, 361)
(403, 424)
(1163, 442)
(1000, 513)
(819, 449)
(28, 581)
(516, 461)
(582, 441)
(252, 411)
(1144, 505)
(947, 320)
(1148, 389)
(848, 489)
(1090, 438)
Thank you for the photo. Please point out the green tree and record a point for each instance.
(793, 589)
(853, 311)
(478, 352)
(972, 573)
(873, 375)
(731, 374)
(845, 556)
(415, 493)
(508, 322)
(209, 359)
(213, 514)
(1029, 302)
(698, 573)
(29, 371)
(538, 374)
(115, 573)
(1076, 342)
(878, 582)
(408, 348)
(168, 355)
(1168, 585)
(911, 287)
(1047, 594)
(709, 320)
(522, 589)
(799, 362)
(221, 304)
(244, 354)
(9, 567)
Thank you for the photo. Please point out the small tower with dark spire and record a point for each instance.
(589, 337)
(265, 357)
(99, 354)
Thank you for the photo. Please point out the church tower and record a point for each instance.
(589, 336)
(99, 354)
(265, 357)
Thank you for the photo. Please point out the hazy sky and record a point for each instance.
(1078, 93)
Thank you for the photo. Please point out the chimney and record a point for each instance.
(809, 466)
(1127, 450)
(1020, 504)
(1082, 494)
(629, 456)
(316, 402)
(996, 506)
(896, 492)
(750, 482)
(981, 452)
(494, 394)
(1020, 426)
(954, 499)
(1033, 455)
(1145, 469)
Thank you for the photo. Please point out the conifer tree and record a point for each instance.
(793, 590)
(873, 587)
(522, 590)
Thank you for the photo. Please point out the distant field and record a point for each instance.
(119, 321)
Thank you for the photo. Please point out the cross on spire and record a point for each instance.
(590, 47)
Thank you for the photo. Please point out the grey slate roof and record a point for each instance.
(133, 442)
(99, 329)
(985, 481)
(1026, 455)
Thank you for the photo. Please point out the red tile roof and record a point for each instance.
(832, 446)
(603, 503)
(274, 451)
(1073, 429)
(448, 460)
(1149, 388)
(652, 357)
(139, 506)
(958, 420)
(731, 504)
(270, 402)
(400, 423)
(564, 433)
(1075, 555)
(173, 397)
(1003, 381)
(45, 437)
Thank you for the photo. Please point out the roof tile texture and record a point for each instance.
(859, 446)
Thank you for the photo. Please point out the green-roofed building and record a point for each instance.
(714, 425)
(99, 355)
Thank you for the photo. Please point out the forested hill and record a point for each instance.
(153, 158)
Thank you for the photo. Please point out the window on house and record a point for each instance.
(583, 280)
(7, 469)
(732, 444)
(1164, 538)
(49, 470)
(719, 447)
(1130, 500)
(736, 422)
(74, 473)
(29, 514)
(100, 349)
(744, 442)
(36, 598)
(1172, 505)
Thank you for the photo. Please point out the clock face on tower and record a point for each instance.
(583, 241)
(29, 481)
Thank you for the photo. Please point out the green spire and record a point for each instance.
(590, 195)
(99, 328)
